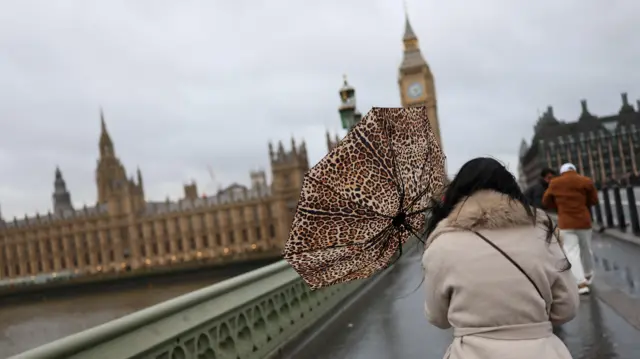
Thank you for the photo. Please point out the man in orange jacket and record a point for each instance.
(572, 195)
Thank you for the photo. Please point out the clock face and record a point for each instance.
(415, 90)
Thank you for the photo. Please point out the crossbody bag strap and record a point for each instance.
(512, 262)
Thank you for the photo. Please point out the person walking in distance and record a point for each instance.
(572, 195)
(535, 192)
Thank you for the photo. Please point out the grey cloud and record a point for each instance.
(190, 84)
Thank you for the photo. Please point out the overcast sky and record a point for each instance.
(190, 84)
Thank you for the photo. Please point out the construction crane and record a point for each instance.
(212, 176)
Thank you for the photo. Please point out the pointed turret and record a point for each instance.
(585, 114)
(61, 196)
(271, 153)
(303, 148)
(281, 152)
(140, 183)
(626, 107)
(547, 119)
(106, 145)
(330, 145)
(409, 35)
(412, 56)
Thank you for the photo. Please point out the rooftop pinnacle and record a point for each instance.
(408, 30)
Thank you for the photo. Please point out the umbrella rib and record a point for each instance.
(400, 186)
(371, 149)
(416, 200)
(414, 233)
(330, 214)
(289, 254)
(345, 198)
(375, 238)
(424, 164)
(335, 260)
(366, 265)
(400, 244)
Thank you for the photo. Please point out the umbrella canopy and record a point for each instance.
(363, 200)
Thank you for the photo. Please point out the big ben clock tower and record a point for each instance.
(417, 86)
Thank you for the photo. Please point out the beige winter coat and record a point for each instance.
(494, 309)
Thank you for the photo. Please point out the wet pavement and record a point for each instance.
(387, 319)
(618, 264)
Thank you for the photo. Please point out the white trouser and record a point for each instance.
(586, 253)
(571, 243)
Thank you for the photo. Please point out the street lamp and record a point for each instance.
(349, 115)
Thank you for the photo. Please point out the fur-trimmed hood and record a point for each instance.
(486, 209)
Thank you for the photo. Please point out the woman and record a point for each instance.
(494, 270)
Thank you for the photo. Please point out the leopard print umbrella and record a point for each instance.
(363, 200)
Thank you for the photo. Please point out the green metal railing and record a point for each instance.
(249, 316)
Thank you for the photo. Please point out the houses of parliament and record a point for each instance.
(125, 231)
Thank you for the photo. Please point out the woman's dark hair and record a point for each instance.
(482, 173)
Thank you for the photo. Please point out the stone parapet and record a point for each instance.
(248, 316)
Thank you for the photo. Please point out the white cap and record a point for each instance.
(567, 167)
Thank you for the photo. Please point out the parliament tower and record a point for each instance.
(416, 82)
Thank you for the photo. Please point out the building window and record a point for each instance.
(272, 231)
(192, 242)
(218, 239)
(245, 236)
(124, 234)
(258, 233)
(231, 237)
(72, 244)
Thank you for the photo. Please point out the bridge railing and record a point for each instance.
(618, 208)
(248, 317)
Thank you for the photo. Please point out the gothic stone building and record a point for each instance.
(605, 148)
(124, 231)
